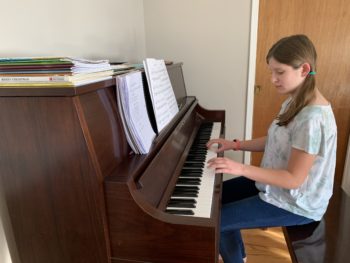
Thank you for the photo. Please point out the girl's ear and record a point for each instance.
(306, 68)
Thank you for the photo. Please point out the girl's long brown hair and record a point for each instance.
(294, 51)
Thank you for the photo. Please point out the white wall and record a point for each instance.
(211, 38)
(95, 29)
(112, 29)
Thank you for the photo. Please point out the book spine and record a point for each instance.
(33, 79)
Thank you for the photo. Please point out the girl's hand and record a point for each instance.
(223, 145)
(225, 165)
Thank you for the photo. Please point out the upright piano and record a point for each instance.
(71, 189)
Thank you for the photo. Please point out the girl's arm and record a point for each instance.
(255, 145)
(298, 168)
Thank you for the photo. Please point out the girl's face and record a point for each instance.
(285, 78)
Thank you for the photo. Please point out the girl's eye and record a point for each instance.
(280, 72)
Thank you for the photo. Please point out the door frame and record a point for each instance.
(253, 42)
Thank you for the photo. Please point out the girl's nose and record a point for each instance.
(274, 79)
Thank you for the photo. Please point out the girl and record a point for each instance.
(294, 183)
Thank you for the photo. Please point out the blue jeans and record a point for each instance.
(242, 208)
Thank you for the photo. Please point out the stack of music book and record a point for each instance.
(145, 108)
(52, 71)
(133, 112)
(123, 68)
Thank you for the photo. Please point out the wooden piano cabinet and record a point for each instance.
(71, 191)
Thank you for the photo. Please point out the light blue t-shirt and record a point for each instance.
(314, 131)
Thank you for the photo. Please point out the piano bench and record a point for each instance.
(297, 237)
(325, 241)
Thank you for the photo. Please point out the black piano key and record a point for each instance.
(199, 146)
(186, 179)
(181, 190)
(184, 194)
(191, 175)
(195, 169)
(179, 212)
(187, 188)
(192, 161)
(183, 200)
(198, 151)
(189, 181)
(184, 203)
(196, 158)
(199, 143)
(191, 171)
(194, 164)
(185, 191)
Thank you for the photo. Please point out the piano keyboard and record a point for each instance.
(193, 193)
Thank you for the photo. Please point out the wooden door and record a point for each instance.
(327, 24)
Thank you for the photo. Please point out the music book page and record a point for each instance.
(133, 111)
(162, 94)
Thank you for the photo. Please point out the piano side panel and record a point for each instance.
(104, 127)
(48, 182)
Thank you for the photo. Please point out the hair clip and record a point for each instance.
(312, 73)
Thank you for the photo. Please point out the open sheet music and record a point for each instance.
(162, 95)
(133, 112)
